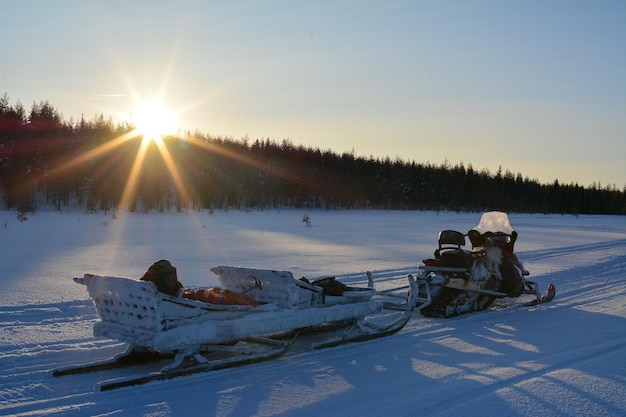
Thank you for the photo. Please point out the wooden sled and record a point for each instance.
(156, 325)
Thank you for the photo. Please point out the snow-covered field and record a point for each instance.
(566, 357)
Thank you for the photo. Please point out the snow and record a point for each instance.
(566, 357)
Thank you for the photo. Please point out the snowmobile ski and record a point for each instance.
(548, 296)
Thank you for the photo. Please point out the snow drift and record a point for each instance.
(561, 358)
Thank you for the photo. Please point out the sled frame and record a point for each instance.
(152, 324)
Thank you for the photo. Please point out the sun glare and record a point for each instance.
(153, 121)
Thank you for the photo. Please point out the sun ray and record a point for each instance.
(102, 149)
(131, 183)
(272, 170)
(173, 170)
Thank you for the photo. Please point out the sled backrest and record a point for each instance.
(128, 309)
(136, 312)
(268, 286)
(450, 242)
(451, 239)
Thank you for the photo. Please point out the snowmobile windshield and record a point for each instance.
(494, 221)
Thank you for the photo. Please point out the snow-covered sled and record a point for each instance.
(157, 325)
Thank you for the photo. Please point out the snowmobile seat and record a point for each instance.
(476, 238)
(451, 238)
(450, 251)
(450, 241)
(501, 240)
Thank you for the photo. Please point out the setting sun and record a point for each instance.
(153, 121)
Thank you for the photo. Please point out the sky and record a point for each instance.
(536, 87)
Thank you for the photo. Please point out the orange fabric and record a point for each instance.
(220, 296)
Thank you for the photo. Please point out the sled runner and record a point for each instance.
(466, 280)
(201, 336)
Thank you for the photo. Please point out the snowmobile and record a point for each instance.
(197, 336)
(459, 280)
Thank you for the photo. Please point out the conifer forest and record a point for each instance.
(100, 165)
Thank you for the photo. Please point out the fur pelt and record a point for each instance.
(488, 265)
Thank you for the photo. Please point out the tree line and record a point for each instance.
(99, 165)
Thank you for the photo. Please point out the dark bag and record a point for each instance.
(330, 286)
(163, 274)
(512, 281)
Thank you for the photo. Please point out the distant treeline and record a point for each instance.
(98, 165)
